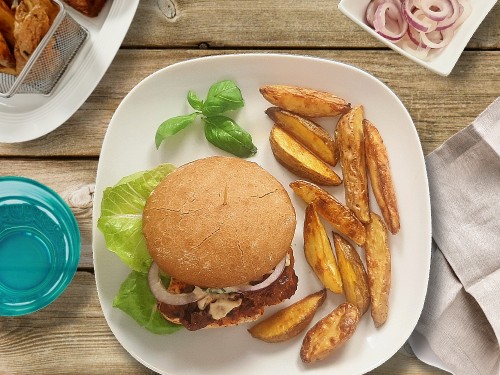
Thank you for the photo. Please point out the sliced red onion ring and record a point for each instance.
(444, 9)
(161, 293)
(424, 25)
(445, 38)
(278, 270)
(450, 21)
(393, 12)
(414, 36)
(372, 7)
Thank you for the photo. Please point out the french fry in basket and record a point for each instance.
(319, 253)
(341, 217)
(378, 267)
(299, 160)
(380, 176)
(351, 145)
(352, 270)
(304, 101)
(289, 321)
(307, 132)
(330, 333)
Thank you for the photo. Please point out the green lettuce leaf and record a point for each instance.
(121, 216)
(135, 299)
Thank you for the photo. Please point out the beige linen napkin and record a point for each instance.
(461, 316)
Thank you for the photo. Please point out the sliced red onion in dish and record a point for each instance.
(393, 12)
(161, 293)
(437, 39)
(372, 7)
(436, 10)
(421, 24)
(428, 24)
(452, 18)
(278, 270)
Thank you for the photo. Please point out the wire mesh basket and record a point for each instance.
(49, 60)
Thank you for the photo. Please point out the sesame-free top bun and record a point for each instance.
(218, 222)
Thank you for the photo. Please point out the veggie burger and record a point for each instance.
(221, 228)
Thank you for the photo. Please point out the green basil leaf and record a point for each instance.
(222, 96)
(172, 126)
(194, 101)
(227, 135)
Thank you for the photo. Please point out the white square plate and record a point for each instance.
(129, 147)
(441, 63)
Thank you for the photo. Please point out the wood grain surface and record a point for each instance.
(71, 335)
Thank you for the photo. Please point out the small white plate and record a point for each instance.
(129, 147)
(442, 62)
(29, 116)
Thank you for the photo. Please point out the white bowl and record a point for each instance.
(441, 62)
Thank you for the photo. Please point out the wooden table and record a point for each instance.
(71, 335)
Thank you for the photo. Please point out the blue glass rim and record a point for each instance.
(34, 220)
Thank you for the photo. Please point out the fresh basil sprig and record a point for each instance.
(222, 131)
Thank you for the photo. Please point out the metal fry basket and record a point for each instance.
(49, 60)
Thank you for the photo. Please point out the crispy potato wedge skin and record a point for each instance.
(304, 101)
(330, 333)
(319, 253)
(378, 267)
(299, 160)
(289, 321)
(380, 176)
(351, 145)
(7, 23)
(307, 132)
(352, 270)
(7, 61)
(341, 217)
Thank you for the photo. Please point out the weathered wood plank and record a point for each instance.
(265, 24)
(71, 336)
(439, 106)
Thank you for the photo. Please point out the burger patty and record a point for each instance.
(252, 304)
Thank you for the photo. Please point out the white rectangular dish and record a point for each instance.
(442, 62)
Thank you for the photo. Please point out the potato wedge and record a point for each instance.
(289, 321)
(7, 21)
(352, 270)
(299, 160)
(7, 61)
(351, 146)
(307, 132)
(319, 253)
(378, 268)
(304, 101)
(380, 176)
(341, 217)
(330, 333)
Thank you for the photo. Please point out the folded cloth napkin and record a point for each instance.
(461, 317)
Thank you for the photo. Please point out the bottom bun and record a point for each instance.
(253, 304)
